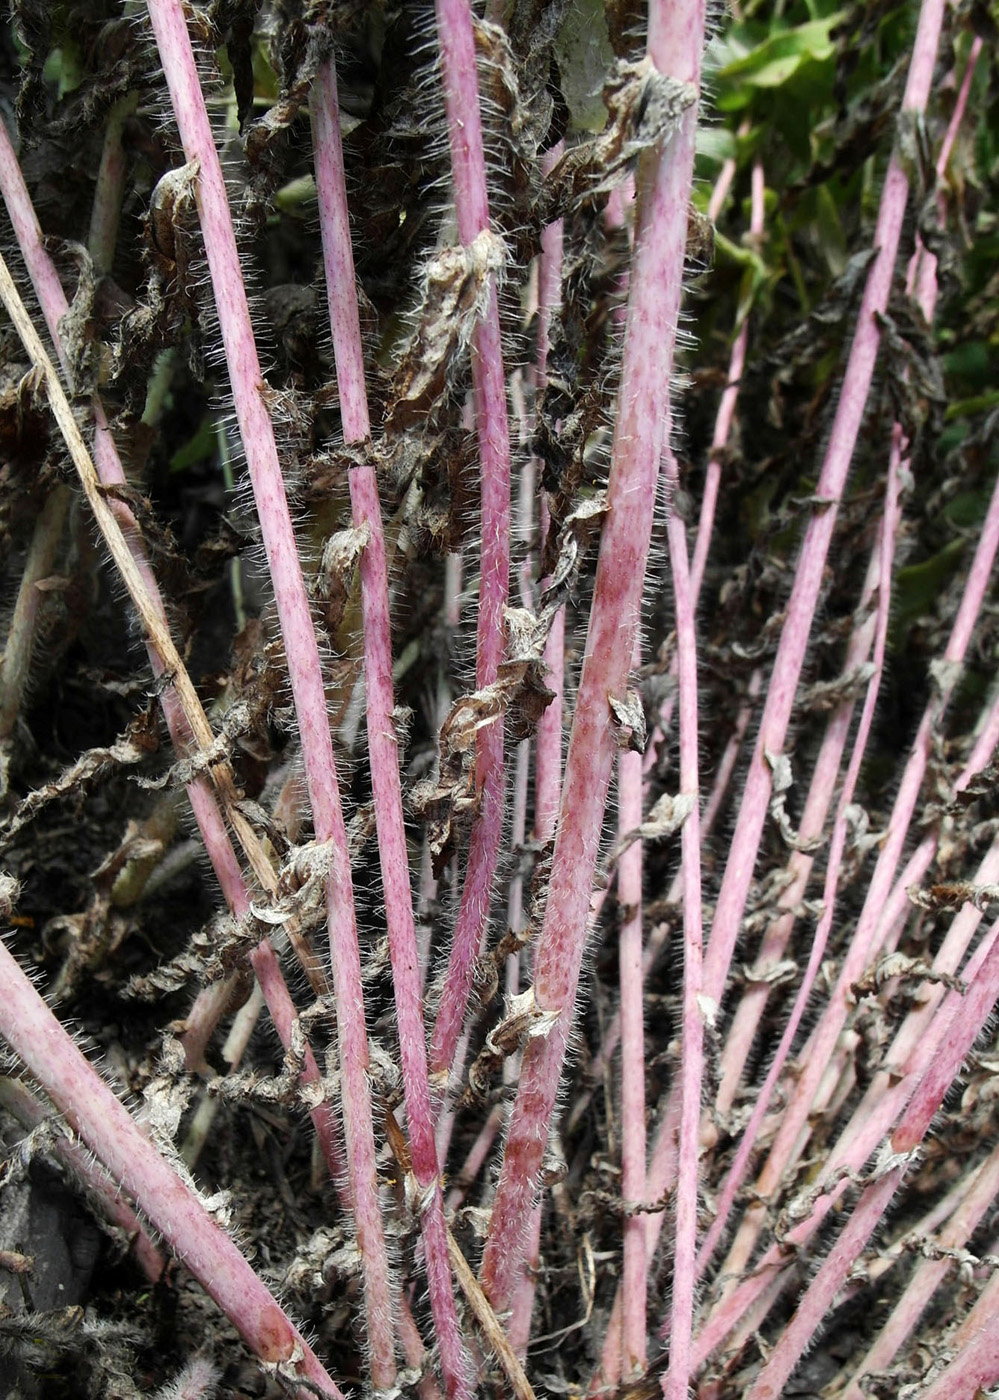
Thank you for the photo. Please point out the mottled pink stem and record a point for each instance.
(461, 101)
(726, 409)
(53, 303)
(675, 41)
(964, 1018)
(93, 1112)
(863, 944)
(978, 1195)
(746, 1306)
(105, 213)
(811, 564)
(661, 932)
(210, 1002)
(304, 669)
(383, 744)
(750, 1136)
(27, 1108)
(634, 1274)
(548, 739)
(15, 660)
(676, 1382)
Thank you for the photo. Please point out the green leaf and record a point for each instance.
(198, 448)
(716, 143)
(771, 63)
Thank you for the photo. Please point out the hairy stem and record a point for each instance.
(383, 744)
(461, 100)
(305, 671)
(664, 183)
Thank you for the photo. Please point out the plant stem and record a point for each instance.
(383, 744)
(675, 41)
(811, 564)
(15, 662)
(93, 1112)
(676, 1383)
(305, 672)
(17, 1099)
(461, 100)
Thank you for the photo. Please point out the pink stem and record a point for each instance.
(676, 1383)
(93, 1112)
(929, 1273)
(383, 743)
(461, 100)
(750, 1136)
(210, 1003)
(548, 740)
(726, 409)
(304, 669)
(675, 41)
(863, 943)
(966, 1019)
(634, 1277)
(17, 1099)
(811, 565)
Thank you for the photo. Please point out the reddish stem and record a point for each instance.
(304, 669)
(461, 101)
(383, 745)
(664, 185)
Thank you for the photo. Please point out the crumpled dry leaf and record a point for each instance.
(665, 819)
(134, 746)
(644, 108)
(900, 965)
(456, 286)
(953, 895)
(827, 695)
(783, 779)
(518, 696)
(629, 714)
(235, 722)
(523, 1020)
(334, 581)
(576, 533)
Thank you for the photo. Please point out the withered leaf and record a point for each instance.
(644, 108)
(783, 779)
(334, 581)
(665, 819)
(456, 285)
(133, 747)
(630, 716)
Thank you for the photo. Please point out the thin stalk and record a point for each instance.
(634, 1276)
(17, 1099)
(676, 1382)
(186, 720)
(383, 745)
(675, 41)
(864, 942)
(461, 101)
(726, 409)
(548, 739)
(960, 1022)
(15, 663)
(96, 1115)
(750, 1136)
(304, 668)
(801, 608)
(978, 1194)
(106, 211)
(915, 1091)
